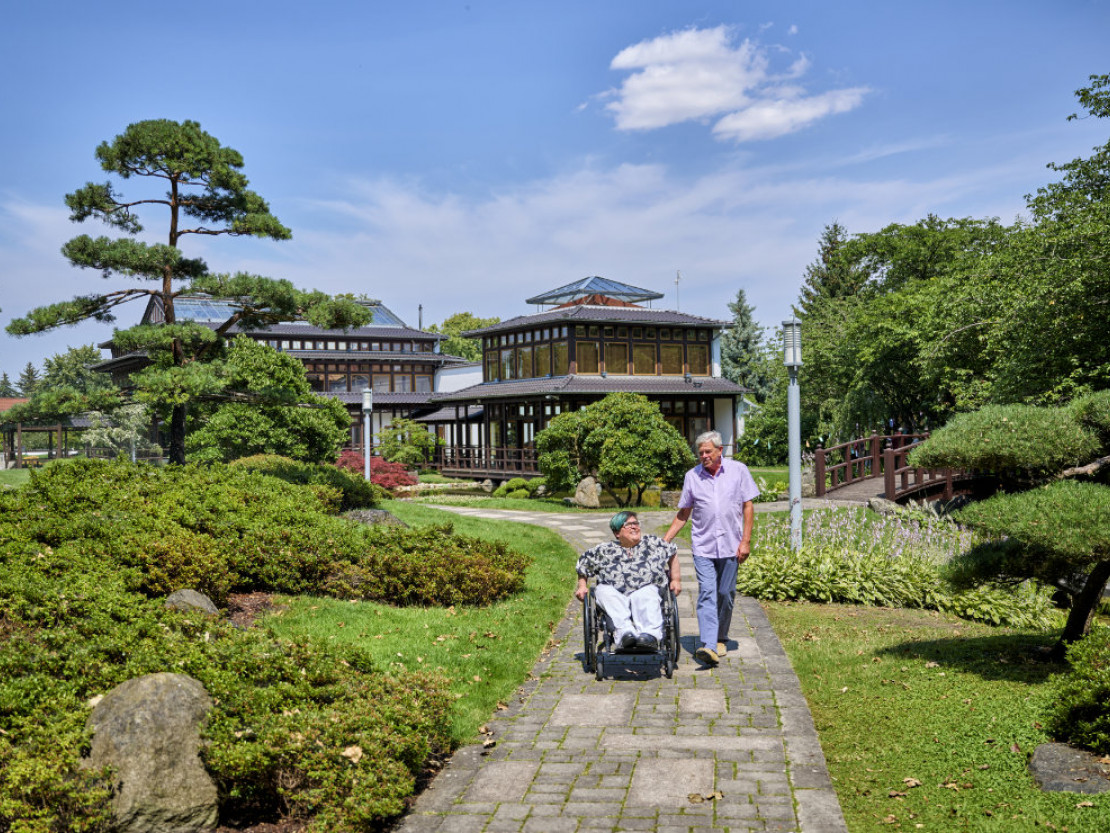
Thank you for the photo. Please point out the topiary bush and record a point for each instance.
(353, 492)
(1080, 705)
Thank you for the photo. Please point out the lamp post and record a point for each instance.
(792, 358)
(367, 411)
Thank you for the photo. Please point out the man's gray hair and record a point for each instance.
(709, 437)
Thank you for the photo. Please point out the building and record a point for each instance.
(399, 363)
(594, 338)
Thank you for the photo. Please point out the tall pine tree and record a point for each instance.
(743, 355)
(6, 386)
(28, 380)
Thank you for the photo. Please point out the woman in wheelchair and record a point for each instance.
(632, 574)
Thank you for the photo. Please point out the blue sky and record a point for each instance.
(467, 155)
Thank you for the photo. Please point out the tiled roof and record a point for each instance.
(382, 400)
(377, 356)
(594, 315)
(601, 385)
(448, 415)
(302, 329)
(8, 402)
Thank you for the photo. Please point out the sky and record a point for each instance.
(464, 156)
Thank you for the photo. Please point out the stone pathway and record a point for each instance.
(573, 754)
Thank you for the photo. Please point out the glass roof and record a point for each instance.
(595, 286)
(211, 310)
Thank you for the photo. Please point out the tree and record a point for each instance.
(69, 386)
(623, 441)
(407, 442)
(1051, 519)
(455, 344)
(125, 429)
(744, 358)
(207, 195)
(6, 386)
(72, 370)
(28, 380)
(268, 408)
(833, 274)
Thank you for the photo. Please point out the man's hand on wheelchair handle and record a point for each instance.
(582, 590)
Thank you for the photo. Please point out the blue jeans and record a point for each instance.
(716, 595)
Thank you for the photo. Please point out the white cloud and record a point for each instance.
(699, 74)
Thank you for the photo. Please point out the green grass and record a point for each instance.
(486, 653)
(901, 694)
(14, 477)
(431, 476)
(544, 504)
(770, 473)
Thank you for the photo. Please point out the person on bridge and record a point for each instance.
(631, 573)
(719, 495)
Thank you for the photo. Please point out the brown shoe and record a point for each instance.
(722, 649)
(706, 656)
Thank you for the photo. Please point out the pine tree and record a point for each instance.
(28, 380)
(6, 386)
(832, 275)
(743, 356)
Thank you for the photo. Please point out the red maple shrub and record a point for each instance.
(382, 472)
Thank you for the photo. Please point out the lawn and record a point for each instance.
(927, 721)
(486, 653)
(14, 477)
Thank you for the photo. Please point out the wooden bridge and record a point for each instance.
(878, 466)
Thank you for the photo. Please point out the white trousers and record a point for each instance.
(638, 612)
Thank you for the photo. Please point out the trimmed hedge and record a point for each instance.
(1080, 705)
(354, 492)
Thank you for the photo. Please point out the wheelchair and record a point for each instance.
(598, 632)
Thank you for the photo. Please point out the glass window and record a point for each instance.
(546, 334)
(649, 332)
(587, 357)
(543, 359)
(359, 382)
(402, 383)
(665, 333)
(608, 332)
(331, 345)
(594, 332)
(580, 331)
(423, 384)
(491, 367)
(315, 382)
(637, 332)
(703, 335)
(560, 362)
(670, 357)
(287, 345)
(381, 383)
(616, 359)
(699, 359)
(507, 364)
(337, 383)
(524, 362)
(563, 332)
(643, 359)
(622, 332)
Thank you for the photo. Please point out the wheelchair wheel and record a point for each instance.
(675, 645)
(599, 668)
(589, 633)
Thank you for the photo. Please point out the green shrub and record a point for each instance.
(516, 484)
(1080, 710)
(535, 484)
(889, 563)
(354, 491)
(1093, 411)
(998, 438)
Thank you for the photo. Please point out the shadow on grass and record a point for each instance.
(1019, 658)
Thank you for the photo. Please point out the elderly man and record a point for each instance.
(630, 571)
(718, 494)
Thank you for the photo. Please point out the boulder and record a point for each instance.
(669, 499)
(148, 730)
(487, 485)
(809, 482)
(1057, 767)
(586, 494)
(884, 506)
(374, 516)
(189, 600)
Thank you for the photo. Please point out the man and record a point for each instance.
(630, 570)
(718, 494)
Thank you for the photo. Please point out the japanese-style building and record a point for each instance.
(399, 363)
(593, 338)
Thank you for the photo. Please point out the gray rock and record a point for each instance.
(884, 506)
(375, 516)
(586, 494)
(809, 483)
(487, 485)
(148, 730)
(669, 499)
(189, 600)
(1057, 767)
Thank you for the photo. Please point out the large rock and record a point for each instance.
(148, 730)
(189, 600)
(375, 516)
(1057, 767)
(586, 493)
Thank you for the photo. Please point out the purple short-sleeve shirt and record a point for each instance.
(718, 507)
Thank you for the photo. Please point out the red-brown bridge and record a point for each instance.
(878, 466)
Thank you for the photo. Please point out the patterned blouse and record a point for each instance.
(628, 570)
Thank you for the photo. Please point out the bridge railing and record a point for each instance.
(870, 457)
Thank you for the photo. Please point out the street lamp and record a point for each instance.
(367, 411)
(792, 358)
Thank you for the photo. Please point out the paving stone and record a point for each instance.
(667, 783)
(593, 710)
(702, 700)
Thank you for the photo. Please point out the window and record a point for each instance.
(587, 357)
(560, 363)
(643, 359)
(665, 333)
(637, 332)
(594, 332)
(524, 362)
(337, 383)
(402, 383)
(616, 359)
(699, 359)
(381, 383)
(649, 332)
(423, 384)
(359, 382)
(580, 331)
(670, 357)
(608, 332)
(491, 367)
(507, 365)
(315, 382)
(703, 335)
(543, 359)
(331, 345)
